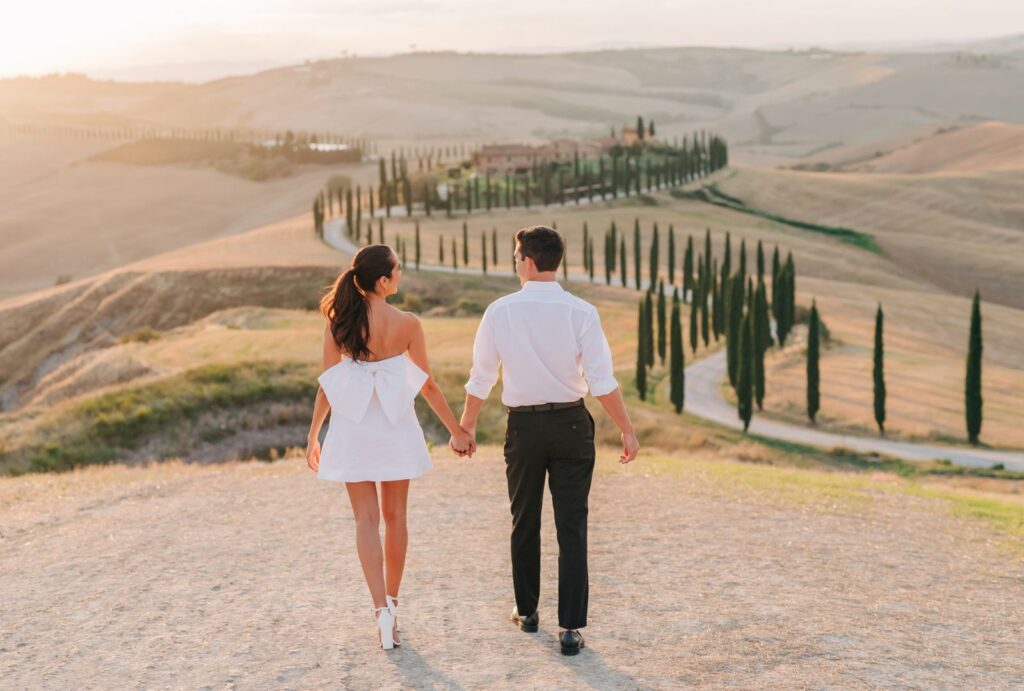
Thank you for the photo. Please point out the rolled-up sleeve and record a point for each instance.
(484, 372)
(596, 356)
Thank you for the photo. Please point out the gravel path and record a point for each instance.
(244, 575)
(704, 399)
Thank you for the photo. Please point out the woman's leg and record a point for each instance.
(394, 497)
(363, 497)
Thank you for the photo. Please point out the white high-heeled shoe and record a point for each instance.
(385, 623)
(393, 604)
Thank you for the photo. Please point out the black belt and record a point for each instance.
(541, 407)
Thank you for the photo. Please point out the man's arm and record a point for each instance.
(470, 413)
(615, 406)
(482, 375)
(599, 372)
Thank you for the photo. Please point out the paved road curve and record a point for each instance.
(704, 399)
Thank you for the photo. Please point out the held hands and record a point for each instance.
(463, 442)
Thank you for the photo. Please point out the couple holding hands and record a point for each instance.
(551, 350)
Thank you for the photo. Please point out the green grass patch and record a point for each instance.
(104, 429)
(712, 195)
(1004, 516)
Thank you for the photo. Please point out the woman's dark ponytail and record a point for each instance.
(346, 306)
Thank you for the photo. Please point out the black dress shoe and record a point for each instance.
(527, 624)
(571, 642)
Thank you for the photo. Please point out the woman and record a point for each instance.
(370, 385)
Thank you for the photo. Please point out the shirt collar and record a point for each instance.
(548, 286)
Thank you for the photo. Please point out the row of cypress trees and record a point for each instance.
(743, 319)
(626, 171)
(723, 303)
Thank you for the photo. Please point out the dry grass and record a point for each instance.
(981, 148)
(63, 215)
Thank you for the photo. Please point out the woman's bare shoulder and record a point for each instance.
(410, 321)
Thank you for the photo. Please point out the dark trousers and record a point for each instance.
(560, 445)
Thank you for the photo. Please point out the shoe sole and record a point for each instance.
(528, 628)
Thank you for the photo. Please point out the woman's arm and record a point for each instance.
(431, 391)
(332, 356)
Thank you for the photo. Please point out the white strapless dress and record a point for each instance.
(373, 433)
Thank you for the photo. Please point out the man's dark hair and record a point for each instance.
(543, 245)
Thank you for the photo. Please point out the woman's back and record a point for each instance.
(389, 331)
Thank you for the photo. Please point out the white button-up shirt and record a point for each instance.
(549, 344)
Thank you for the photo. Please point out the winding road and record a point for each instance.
(704, 399)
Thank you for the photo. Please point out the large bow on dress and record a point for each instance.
(349, 386)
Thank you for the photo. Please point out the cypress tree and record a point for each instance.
(688, 271)
(788, 293)
(716, 302)
(759, 324)
(693, 325)
(586, 248)
(494, 246)
(614, 246)
(655, 245)
(440, 250)
(972, 389)
(661, 321)
(590, 258)
(726, 261)
(622, 261)
(380, 230)
(878, 372)
(742, 268)
(779, 306)
(776, 267)
(671, 255)
(708, 256)
(483, 251)
(465, 244)
(744, 375)
(608, 266)
(349, 213)
(677, 364)
(641, 353)
(702, 297)
(636, 252)
(417, 243)
(649, 311)
(734, 315)
(760, 262)
(813, 372)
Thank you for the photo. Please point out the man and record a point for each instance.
(551, 349)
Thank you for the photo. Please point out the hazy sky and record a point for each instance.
(40, 36)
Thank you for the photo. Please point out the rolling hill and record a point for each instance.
(774, 106)
(985, 147)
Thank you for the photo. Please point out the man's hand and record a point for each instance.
(630, 447)
(462, 443)
(313, 454)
